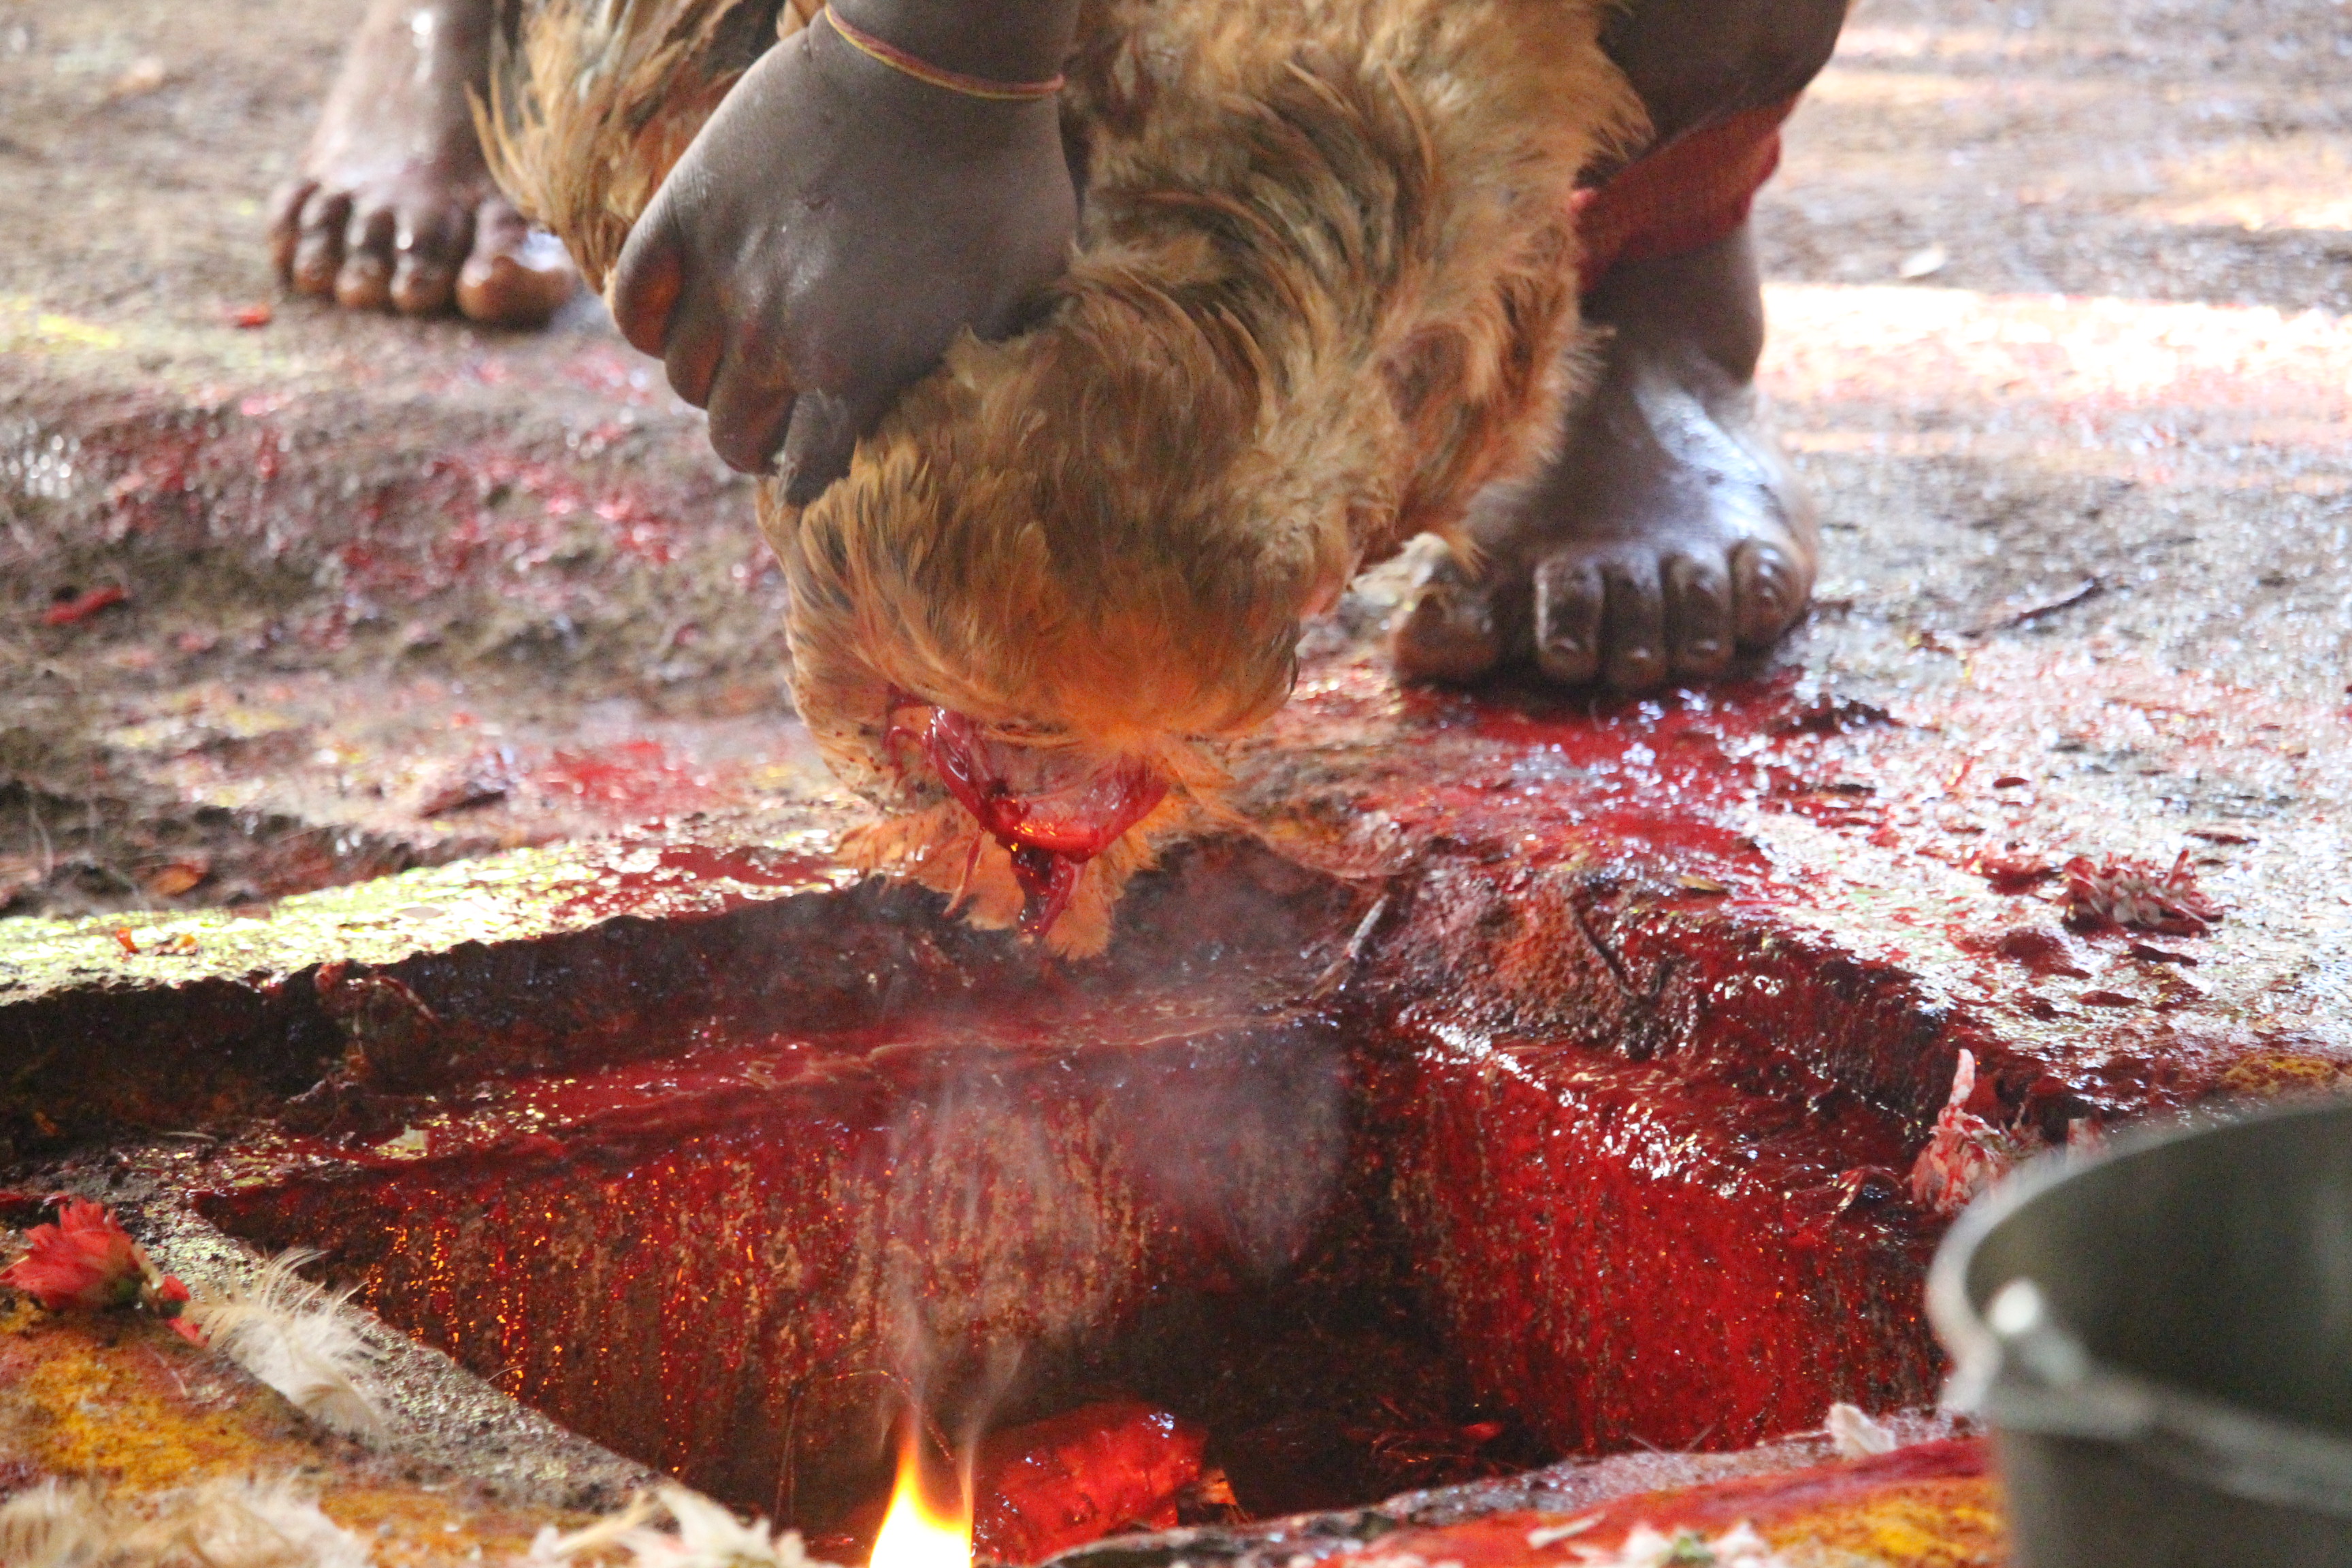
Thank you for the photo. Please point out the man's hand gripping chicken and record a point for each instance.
(1197, 307)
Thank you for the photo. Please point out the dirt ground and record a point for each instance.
(2063, 307)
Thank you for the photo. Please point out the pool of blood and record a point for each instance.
(1359, 1239)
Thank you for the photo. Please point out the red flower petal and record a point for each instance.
(86, 1260)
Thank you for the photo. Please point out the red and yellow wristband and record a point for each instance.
(922, 71)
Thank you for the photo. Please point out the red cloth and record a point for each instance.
(1685, 196)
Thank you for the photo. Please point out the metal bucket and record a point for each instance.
(2161, 1338)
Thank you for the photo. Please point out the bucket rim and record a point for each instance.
(1955, 1317)
(2234, 1449)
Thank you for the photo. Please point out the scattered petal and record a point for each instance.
(1923, 262)
(145, 75)
(2134, 894)
(1553, 1535)
(1965, 1153)
(85, 1262)
(179, 877)
(81, 606)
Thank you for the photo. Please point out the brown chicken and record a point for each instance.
(1324, 284)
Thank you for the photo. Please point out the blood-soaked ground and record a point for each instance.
(355, 595)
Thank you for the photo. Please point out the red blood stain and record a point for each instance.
(2011, 874)
(643, 777)
(1559, 778)
(2042, 951)
(1643, 1256)
(689, 879)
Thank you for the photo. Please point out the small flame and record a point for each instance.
(916, 1532)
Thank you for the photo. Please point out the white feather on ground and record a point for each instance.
(50, 1526)
(294, 1336)
(221, 1524)
(1855, 1435)
(1740, 1547)
(708, 1536)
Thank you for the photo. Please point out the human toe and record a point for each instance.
(1769, 591)
(1450, 631)
(1634, 643)
(1698, 622)
(422, 286)
(285, 225)
(515, 276)
(319, 242)
(364, 281)
(1569, 602)
(426, 250)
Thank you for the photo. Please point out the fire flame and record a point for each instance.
(916, 1532)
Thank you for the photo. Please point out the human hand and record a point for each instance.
(831, 230)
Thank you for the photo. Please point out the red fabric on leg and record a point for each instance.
(1685, 196)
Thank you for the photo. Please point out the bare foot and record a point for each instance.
(395, 208)
(1668, 535)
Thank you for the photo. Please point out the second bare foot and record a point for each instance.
(395, 209)
(1668, 535)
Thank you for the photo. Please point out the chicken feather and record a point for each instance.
(1324, 293)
